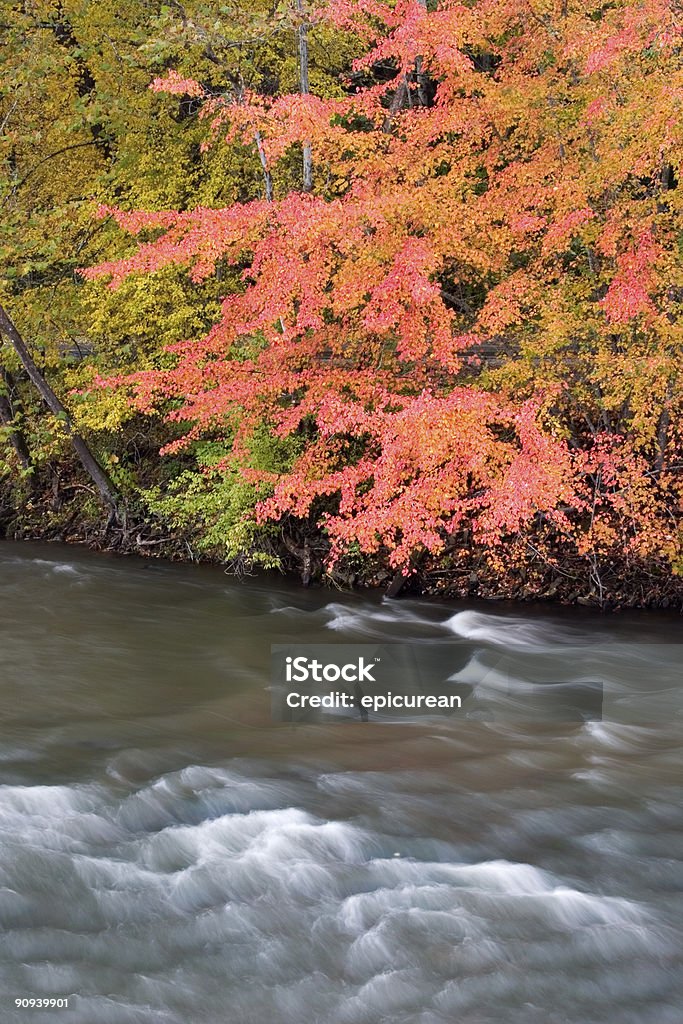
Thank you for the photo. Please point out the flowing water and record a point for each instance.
(169, 854)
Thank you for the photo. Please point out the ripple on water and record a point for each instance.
(207, 881)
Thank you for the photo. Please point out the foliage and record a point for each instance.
(79, 125)
(473, 323)
(217, 507)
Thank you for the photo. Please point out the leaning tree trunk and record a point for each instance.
(304, 90)
(92, 467)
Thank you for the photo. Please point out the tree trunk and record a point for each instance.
(304, 90)
(7, 414)
(663, 434)
(304, 556)
(267, 178)
(420, 77)
(405, 573)
(397, 103)
(402, 96)
(96, 473)
(397, 584)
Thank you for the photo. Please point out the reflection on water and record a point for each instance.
(168, 854)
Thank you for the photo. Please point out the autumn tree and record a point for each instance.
(473, 327)
(80, 126)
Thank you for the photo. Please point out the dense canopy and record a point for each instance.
(403, 287)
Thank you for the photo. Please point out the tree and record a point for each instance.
(476, 324)
(79, 126)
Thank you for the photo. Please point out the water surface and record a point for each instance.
(169, 854)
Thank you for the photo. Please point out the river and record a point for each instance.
(170, 854)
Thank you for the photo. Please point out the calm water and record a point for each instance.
(168, 854)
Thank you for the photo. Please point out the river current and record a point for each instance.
(170, 854)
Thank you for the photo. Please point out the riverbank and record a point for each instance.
(523, 573)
